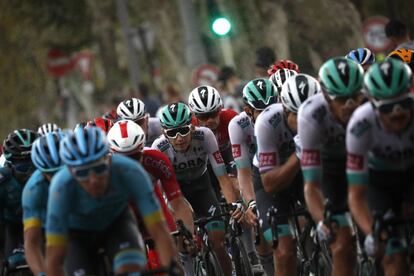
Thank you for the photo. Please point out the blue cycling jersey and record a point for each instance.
(71, 207)
(34, 200)
(10, 196)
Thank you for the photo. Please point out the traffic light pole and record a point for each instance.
(227, 51)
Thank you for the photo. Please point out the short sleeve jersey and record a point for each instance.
(71, 207)
(275, 142)
(369, 146)
(322, 138)
(192, 163)
(159, 166)
(34, 200)
(243, 141)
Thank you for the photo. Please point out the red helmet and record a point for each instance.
(283, 64)
(102, 123)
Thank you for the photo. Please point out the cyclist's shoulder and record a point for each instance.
(271, 116)
(241, 121)
(314, 109)
(161, 143)
(156, 155)
(5, 175)
(36, 179)
(200, 133)
(227, 114)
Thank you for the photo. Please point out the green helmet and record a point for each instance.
(175, 115)
(388, 79)
(341, 77)
(259, 93)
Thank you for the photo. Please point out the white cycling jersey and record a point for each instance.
(192, 164)
(369, 146)
(322, 138)
(275, 142)
(243, 141)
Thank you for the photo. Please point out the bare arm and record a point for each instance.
(281, 177)
(359, 207)
(164, 243)
(55, 255)
(314, 200)
(33, 250)
(244, 176)
(231, 194)
(182, 210)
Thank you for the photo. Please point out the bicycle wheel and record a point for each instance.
(322, 261)
(212, 265)
(240, 258)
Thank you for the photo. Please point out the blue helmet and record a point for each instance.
(83, 146)
(363, 56)
(45, 152)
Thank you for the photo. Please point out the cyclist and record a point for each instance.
(45, 157)
(13, 177)
(283, 64)
(102, 123)
(380, 162)
(257, 95)
(206, 104)
(322, 120)
(363, 56)
(405, 55)
(134, 109)
(279, 78)
(47, 127)
(93, 190)
(279, 166)
(189, 147)
(128, 138)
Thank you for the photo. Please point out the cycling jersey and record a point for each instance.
(322, 138)
(274, 138)
(10, 196)
(192, 163)
(34, 200)
(243, 141)
(72, 207)
(154, 130)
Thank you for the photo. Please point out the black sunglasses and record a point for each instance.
(173, 133)
(388, 107)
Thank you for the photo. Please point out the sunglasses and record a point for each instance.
(99, 168)
(387, 106)
(182, 131)
(23, 168)
(356, 98)
(208, 115)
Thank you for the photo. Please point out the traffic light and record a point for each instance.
(221, 26)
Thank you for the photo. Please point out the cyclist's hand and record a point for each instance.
(370, 246)
(251, 213)
(238, 211)
(324, 233)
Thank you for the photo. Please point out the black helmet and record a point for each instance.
(18, 144)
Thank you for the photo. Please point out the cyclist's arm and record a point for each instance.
(311, 167)
(182, 210)
(33, 250)
(55, 257)
(358, 145)
(275, 176)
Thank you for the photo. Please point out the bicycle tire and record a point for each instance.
(323, 262)
(240, 258)
(212, 265)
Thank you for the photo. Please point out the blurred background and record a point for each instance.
(67, 61)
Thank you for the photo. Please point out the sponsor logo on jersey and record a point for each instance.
(217, 156)
(360, 128)
(355, 162)
(189, 164)
(164, 145)
(236, 150)
(275, 120)
(267, 159)
(198, 135)
(158, 165)
(319, 114)
(244, 122)
(310, 158)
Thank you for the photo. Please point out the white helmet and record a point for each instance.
(131, 109)
(280, 77)
(204, 99)
(126, 136)
(297, 89)
(47, 128)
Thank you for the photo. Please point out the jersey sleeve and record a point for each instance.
(58, 208)
(214, 155)
(267, 150)
(161, 168)
(358, 141)
(311, 163)
(32, 210)
(140, 189)
(239, 147)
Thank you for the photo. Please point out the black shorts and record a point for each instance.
(121, 242)
(283, 201)
(335, 188)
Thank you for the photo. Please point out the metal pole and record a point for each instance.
(127, 34)
(227, 51)
(194, 51)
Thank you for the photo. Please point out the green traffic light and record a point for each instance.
(221, 26)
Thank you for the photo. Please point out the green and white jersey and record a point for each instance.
(369, 146)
